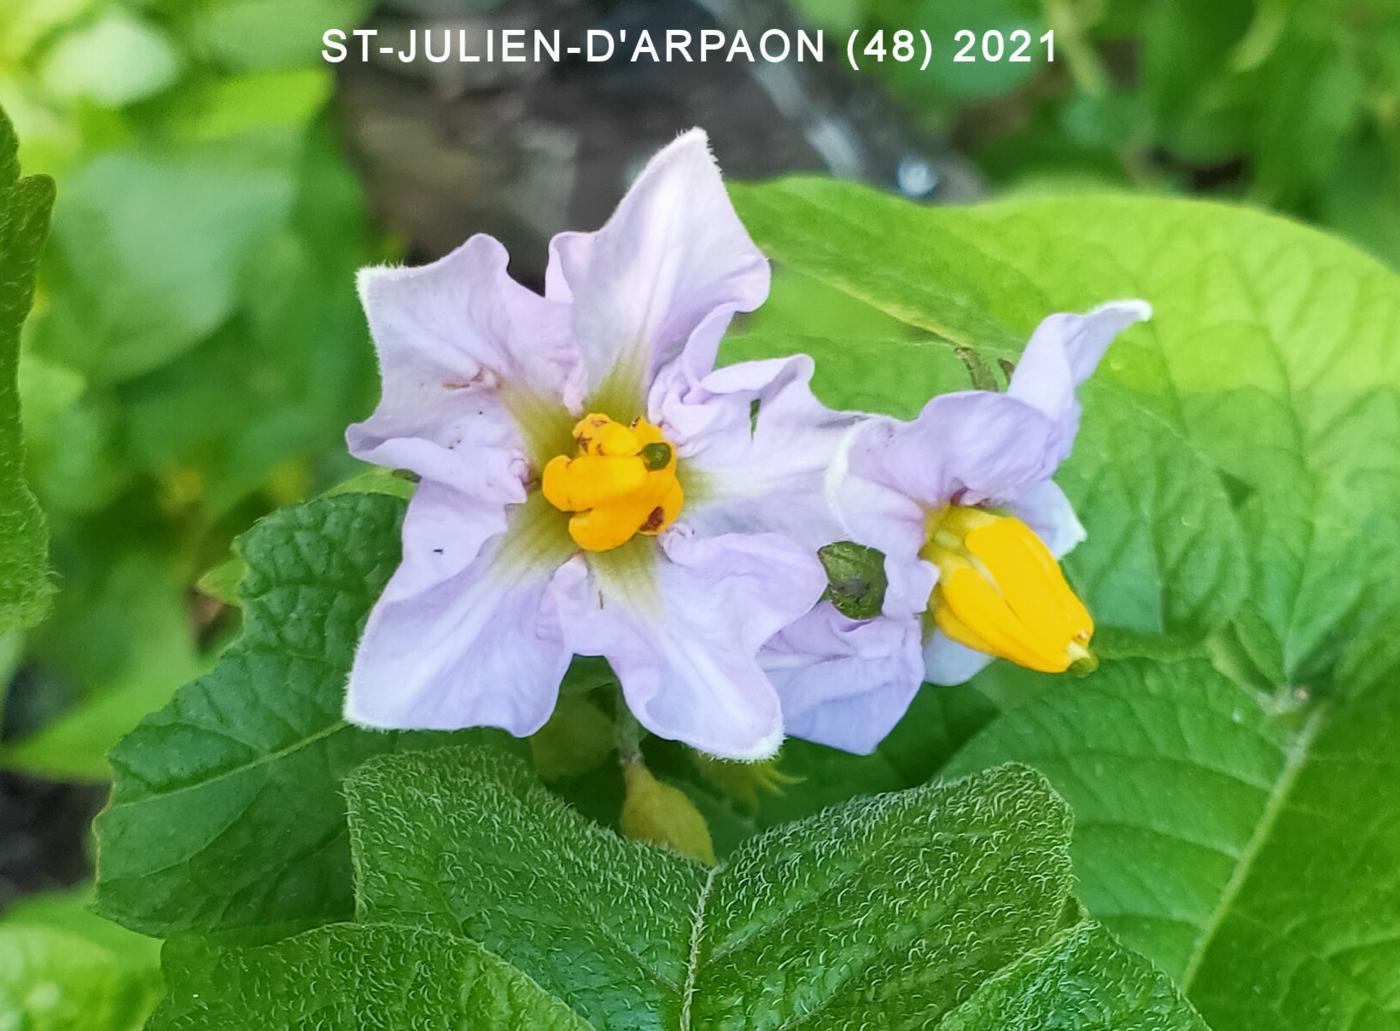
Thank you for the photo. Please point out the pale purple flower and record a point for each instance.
(847, 682)
(483, 380)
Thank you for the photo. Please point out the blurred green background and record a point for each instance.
(197, 349)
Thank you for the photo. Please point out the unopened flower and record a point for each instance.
(961, 503)
(590, 483)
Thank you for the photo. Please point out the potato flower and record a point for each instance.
(961, 503)
(589, 482)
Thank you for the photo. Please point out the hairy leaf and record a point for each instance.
(1236, 842)
(372, 978)
(902, 909)
(24, 540)
(226, 811)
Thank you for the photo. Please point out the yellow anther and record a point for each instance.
(621, 483)
(599, 435)
(1000, 591)
(578, 484)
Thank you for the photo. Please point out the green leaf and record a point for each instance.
(74, 745)
(115, 60)
(139, 291)
(221, 582)
(235, 32)
(1271, 355)
(617, 912)
(376, 479)
(51, 980)
(63, 969)
(278, 381)
(1029, 995)
(226, 812)
(241, 104)
(138, 646)
(346, 976)
(70, 910)
(862, 368)
(1165, 553)
(578, 737)
(24, 542)
(899, 910)
(1235, 841)
(131, 614)
(67, 431)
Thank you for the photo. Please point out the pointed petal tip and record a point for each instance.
(692, 137)
(764, 748)
(726, 743)
(371, 278)
(1138, 309)
(689, 147)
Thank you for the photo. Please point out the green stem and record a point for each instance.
(978, 371)
(629, 733)
(1085, 67)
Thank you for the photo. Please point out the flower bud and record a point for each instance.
(663, 815)
(1000, 591)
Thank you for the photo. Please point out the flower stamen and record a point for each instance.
(621, 483)
(1000, 591)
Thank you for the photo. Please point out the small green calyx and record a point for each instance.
(744, 782)
(656, 456)
(1084, 664)
(856, 581)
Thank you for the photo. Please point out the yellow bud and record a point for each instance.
(662, 815)
(1000, 591)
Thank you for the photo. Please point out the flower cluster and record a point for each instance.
(590, 484)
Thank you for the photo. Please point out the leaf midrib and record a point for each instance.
(1298, 754)
(233, 771)
(692, 966)
(795, 1019)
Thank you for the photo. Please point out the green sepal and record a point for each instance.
(856, 579)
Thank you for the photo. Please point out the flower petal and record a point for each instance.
(1046, 510)
(460, 637)
(448, 335)
(683, 636)
(946, 662)
(1063, 352)
(666, 274)
(845, 683)
(966, 448)
(766, 471)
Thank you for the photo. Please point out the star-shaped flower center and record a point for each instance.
(622, 482)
